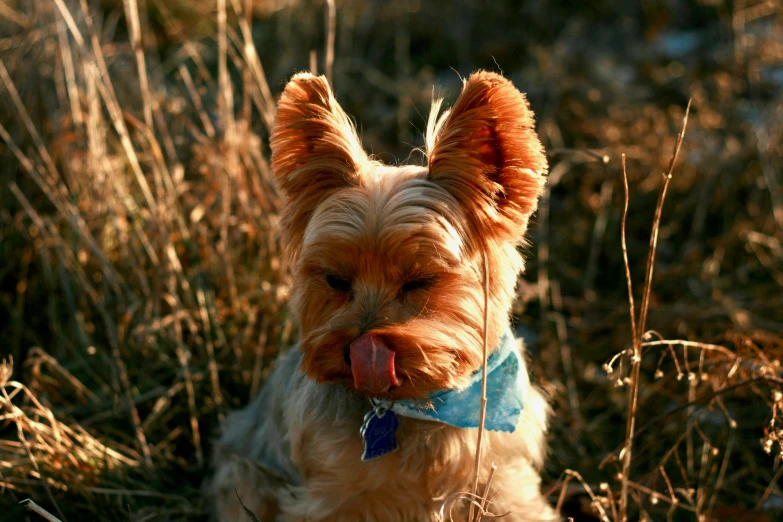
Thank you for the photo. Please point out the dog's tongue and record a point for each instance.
(372, 364)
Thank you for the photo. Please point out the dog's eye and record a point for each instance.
(338, 283)
(422, 283)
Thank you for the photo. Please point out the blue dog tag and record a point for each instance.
(379, 432)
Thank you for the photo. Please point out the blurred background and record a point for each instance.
(142, 294)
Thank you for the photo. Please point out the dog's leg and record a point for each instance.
(517, 480)
(239, 485)
(518, 493)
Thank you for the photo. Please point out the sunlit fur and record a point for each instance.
(408, 244)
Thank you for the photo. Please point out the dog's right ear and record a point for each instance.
(315, 152)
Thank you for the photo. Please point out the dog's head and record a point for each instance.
(388, 285)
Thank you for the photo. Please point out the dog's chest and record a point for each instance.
(432, 461)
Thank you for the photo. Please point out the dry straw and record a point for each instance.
(149, 216)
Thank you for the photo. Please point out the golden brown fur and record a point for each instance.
(396, 252)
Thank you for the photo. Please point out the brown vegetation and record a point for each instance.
(142, 293)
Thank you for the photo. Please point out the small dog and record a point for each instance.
(374, 416)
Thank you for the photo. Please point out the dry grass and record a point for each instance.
(142, 294)
(155, 237)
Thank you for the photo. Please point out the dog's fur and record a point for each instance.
(406, 246)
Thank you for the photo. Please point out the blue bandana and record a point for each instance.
(507, 384)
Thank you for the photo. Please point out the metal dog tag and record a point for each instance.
(379, 432)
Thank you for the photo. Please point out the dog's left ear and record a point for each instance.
(487, 155)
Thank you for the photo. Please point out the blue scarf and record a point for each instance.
(507, 384)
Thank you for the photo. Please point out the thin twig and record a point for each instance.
(625, 253)
(769, 379)
(483, 412)
(636, 359)
(331, 21)
(23, 438)
(595, 156)
(35, 508)
(597, 237)
(132, 14)
(565, 355)
(267, 105)
(485, 496)
(252, 516)
(571, 475)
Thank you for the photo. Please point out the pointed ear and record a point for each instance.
(315, 152)
(487, 155)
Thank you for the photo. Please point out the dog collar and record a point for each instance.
(507, 385)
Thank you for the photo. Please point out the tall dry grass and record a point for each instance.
(154, 231)
(143, 294)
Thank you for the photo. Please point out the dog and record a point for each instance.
(375, 416)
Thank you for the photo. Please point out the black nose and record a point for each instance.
(347, 354)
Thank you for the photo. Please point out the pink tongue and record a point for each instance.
(372, 364)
